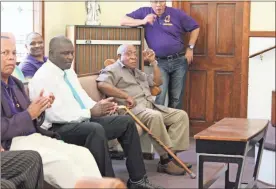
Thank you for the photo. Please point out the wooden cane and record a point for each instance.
(192, 175)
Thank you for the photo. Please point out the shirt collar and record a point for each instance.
(55, 69)
(10, 84)
(163, 15)
(34, 61)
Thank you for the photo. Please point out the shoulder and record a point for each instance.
(143, 10)
(175, 11)
(18, 82)
(113, 67)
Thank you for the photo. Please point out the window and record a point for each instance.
(21, 18)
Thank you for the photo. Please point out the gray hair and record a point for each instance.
(121, 49)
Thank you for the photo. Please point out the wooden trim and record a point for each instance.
(262, 33)
(245, 60)
(273, 109)
(38, 18)
(261, 52)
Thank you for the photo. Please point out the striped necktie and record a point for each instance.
(77, 97)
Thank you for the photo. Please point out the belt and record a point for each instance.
(171, 57)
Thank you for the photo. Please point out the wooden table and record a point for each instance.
(228, 141)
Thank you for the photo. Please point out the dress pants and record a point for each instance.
(21, 169)
(95, 134)
(63, 164)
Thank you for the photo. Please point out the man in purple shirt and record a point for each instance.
(164, 31)
(35, 57)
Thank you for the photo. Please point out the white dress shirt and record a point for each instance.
(65, 108)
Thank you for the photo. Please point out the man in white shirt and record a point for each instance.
(80, 120)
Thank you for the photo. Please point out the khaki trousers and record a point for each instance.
(63, 164)
(171, 127)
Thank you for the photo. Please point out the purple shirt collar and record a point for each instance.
(35, 62)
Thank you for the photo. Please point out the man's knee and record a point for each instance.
(32, 157)
(94, 128)
(156, 115)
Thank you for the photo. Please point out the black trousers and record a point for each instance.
(21, 169)
(95, 134)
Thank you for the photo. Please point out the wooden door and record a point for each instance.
(216, 85)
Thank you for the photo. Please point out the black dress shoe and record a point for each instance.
(143, 184)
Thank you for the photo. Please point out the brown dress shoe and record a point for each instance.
(170, 168)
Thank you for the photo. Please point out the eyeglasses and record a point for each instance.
(7, 53)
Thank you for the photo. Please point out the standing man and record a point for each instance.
(35, 58)
(164, 32)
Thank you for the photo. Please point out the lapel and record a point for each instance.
(5, 105)
(20, 94)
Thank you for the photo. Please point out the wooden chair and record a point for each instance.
(155, 90)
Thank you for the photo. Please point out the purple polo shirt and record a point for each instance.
(165, 36)
(8, 90)
(30, 65)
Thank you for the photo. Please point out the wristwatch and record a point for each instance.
(191, 47)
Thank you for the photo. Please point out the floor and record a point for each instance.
(168, 181)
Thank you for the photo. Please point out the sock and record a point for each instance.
(170, 157)
(164, 159)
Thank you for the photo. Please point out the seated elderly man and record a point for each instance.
(130, 87)
(21, 169)
(76, 117)
(63, 164)
(35, 58)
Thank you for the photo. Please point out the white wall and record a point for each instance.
(60, 14)
(262, 17)
(261, 72)
(261, 78)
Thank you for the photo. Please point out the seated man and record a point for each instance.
(130, 87)
(21, 169)
(35, 58)
(63, 164)
(76, 117)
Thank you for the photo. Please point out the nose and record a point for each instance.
(11, 56)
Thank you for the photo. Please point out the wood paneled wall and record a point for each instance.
(95, 44)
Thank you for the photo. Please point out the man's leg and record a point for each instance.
(92, 136)
(6, 184)
(22, 168)
(64, 164)
(177, 122)
(124, 128)
(153, 119)
(177, 83)
(164, 68)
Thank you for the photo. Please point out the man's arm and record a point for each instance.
(157, 79)
(18, 125)
(193, 36)
(110, 90)
(128, 21)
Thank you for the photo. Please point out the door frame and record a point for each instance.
(245, 53)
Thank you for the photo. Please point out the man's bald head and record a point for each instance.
(61, 52)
